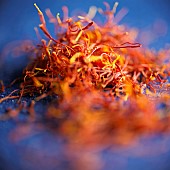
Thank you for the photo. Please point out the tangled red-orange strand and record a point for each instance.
(108, 86)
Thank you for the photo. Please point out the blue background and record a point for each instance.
(18, 18)
(44, 150)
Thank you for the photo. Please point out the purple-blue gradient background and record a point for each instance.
(17, 21)
(18, 18)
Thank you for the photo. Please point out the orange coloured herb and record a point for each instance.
(103, 78)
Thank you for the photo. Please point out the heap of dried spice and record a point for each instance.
(110, 89)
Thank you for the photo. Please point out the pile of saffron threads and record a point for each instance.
(109, 88)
